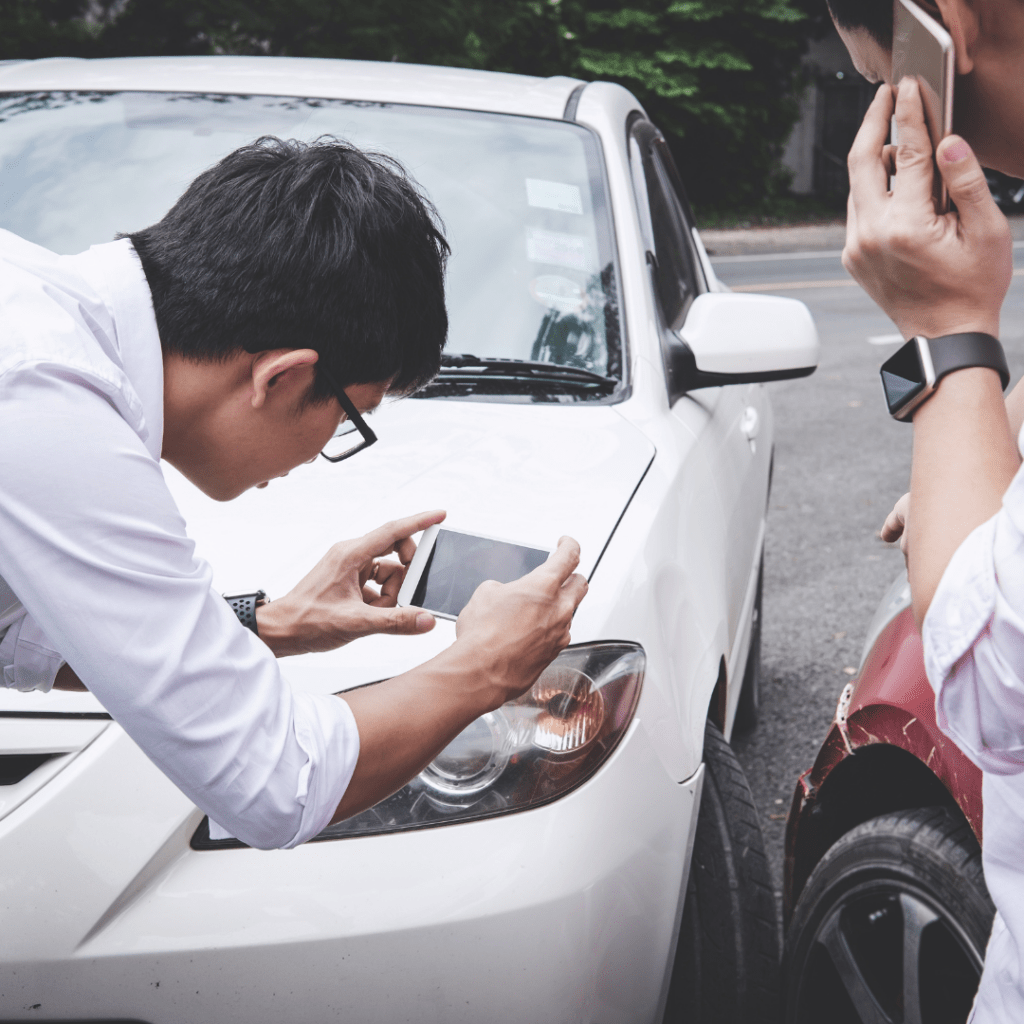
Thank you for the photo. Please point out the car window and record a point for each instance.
(664, 217)
(532, 274)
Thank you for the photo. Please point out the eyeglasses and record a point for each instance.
(353, 433)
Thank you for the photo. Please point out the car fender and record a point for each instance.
(884, 751)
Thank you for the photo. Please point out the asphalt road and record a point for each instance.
(840, 463)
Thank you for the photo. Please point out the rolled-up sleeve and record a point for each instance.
(974, 641)
(96, 550)
(28, 658)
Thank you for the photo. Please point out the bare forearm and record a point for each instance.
(964, 459)
(405, 722)
(1015, 408)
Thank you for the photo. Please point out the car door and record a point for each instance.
(732, 424)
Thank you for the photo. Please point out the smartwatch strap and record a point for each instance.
(958, 351)
(244, 606)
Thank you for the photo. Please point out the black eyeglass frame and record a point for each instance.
(368, 436)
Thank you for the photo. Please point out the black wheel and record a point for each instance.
(727, 963)
(749, 706)
(892, 925)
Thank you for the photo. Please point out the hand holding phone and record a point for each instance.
(934, 274)
(519, 628)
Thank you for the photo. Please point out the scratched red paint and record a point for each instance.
(893, 704)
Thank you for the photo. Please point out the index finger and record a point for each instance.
(869, 177)
(561, 563)
(388, 537)
(892, 528)
(915, 167)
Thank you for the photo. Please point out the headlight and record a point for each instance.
(527, 753)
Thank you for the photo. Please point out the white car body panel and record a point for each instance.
(553, 915)
(564, 913)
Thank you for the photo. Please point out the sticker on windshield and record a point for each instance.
(554, 195)
(558, 293)
(558, 249)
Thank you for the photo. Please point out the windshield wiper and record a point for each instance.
(466, 366)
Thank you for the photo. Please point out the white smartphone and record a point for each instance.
(922, 48)
(449, 565)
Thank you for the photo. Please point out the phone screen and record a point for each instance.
(460, 562)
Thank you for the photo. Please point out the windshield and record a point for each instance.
(532, 273)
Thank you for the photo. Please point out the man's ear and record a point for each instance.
(961, 20)
(281, 368)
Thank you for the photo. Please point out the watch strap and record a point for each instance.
(244, 606)
(959, 351)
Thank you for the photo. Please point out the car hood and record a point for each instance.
(523, 472)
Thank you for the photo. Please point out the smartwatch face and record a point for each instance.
(902, 377)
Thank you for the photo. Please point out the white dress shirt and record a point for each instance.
(974, 656)
(96, 568)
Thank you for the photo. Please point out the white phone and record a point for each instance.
(921, 47)
(449, 565)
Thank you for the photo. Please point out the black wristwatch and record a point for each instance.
(913, 373)
(245, 605)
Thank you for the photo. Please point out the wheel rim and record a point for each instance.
(888, 953)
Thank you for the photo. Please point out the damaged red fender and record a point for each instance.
(890, 704)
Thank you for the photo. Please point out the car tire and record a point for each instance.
(726, 969)
(903, 887)
(748, 708)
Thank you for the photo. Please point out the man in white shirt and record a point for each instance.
(290, 288)
(937, 276)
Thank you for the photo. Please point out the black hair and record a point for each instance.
(873, 15)
(303, 245)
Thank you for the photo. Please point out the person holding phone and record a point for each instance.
(289, 289)
(941, 276)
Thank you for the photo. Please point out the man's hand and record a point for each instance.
(933, 274)
(507, 636)
(895, 526)
(352, 592)
(519, 628)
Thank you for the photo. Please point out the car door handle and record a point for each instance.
(750, 423)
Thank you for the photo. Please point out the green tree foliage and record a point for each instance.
(718, 76)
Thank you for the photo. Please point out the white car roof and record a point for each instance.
(384, 82)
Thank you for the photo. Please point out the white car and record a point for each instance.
(601, 383)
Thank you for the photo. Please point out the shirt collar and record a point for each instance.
(115, 270)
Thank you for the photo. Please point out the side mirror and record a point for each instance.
(730, 338)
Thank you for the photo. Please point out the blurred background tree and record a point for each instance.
(719, 77)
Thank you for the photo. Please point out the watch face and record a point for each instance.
(902, 377)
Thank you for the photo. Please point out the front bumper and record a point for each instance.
(564, 913)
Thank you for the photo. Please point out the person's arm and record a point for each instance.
(936, 275)
(351, 592)
(1015, 408)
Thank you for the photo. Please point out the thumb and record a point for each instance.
(404, 621)
(966, 181)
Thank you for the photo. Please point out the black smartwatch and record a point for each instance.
(912, 374)
(245, 605)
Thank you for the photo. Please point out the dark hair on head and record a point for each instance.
(303, 245)
(873, 15)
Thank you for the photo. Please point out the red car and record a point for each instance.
(885, 905)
